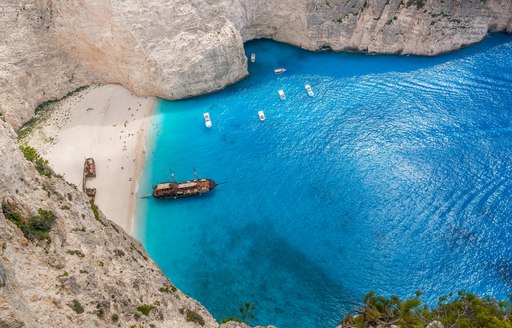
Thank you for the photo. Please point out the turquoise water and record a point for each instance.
(395, 177)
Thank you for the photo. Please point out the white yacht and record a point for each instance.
(261, 115)
(281, 94)
(309, 90)
(207, 120)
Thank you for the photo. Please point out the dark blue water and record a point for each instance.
(396, 177)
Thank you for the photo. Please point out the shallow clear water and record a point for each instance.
(395, 177)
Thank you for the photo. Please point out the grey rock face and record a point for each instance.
(89, 274)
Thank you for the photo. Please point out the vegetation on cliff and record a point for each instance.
(463, 310)
(33, 228)
(40, 163)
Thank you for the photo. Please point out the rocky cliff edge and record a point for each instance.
(181, 48)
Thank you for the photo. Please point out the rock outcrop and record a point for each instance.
(180, 48)
(90, 273)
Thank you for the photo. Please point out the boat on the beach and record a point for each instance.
(253, 57)
(207, 120)
(279, 70)
(281, 94)
(309, 90)
(261, 115)
(89, 168)
(175, 190)
(89, 172)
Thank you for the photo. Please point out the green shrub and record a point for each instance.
(168, 289)
(76, 306)
(94, 209)
(34, 228)
(114, 317)
(194, 317)
(145, 309)
(246, 313)
(228, 319)
(76, 252)
(118, 252)
(40, 163)
(464, 310)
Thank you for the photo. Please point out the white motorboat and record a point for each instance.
(281, 94)
(207, 120)
(279, 70)
(253, 57)
(261, 115)
(309, 90)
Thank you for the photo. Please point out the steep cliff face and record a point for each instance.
(180, 48)
(90, 273)
(33, 66)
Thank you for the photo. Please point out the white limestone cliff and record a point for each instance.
(181, 48)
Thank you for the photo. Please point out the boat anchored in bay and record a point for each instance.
(207, 120)
(175, 190)
(281, 94)
(261, 115)
(309, 90)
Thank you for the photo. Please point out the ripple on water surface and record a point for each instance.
(395, 177)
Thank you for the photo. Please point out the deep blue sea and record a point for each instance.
(395, 177)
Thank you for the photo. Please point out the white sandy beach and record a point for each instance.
(109, 124)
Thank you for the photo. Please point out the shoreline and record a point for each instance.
(110, 124)
(140, 163)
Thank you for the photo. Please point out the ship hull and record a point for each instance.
(174, 190)
(180, 196)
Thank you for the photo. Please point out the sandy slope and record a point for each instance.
(109, 124)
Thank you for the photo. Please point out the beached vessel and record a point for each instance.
(281, 94)
(91, 192)
(261, 115)
(207, 120)
(279, 70)
(175, 190)
(89, 172)
(89, 168)
(309, 90)
(253, 57)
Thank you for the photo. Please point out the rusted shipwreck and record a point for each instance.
(89, 172)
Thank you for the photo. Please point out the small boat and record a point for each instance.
(207, 120)
(253, 57)
(279, 70)
(261, 115)
(175, 190)
(281, 94)
(309, 90)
